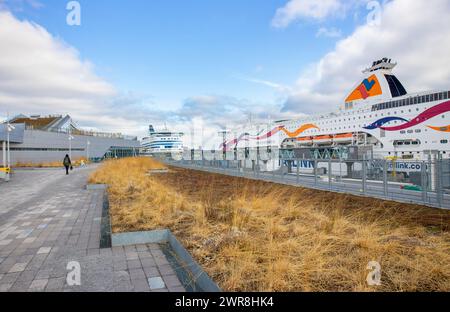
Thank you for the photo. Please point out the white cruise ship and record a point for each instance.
(378, 113)
(162, 143)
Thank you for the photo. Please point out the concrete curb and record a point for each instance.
(105, 223)
(93, 187)
(187, 269)
(202, 282)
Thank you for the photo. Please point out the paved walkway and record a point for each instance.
(49, 220)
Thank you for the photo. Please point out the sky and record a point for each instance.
(217, 63)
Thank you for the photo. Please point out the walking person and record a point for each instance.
(67, 164)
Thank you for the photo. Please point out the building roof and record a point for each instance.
(58, 123)
(36, 122)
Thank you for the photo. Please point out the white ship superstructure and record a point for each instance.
(162, 143)
(378, 113)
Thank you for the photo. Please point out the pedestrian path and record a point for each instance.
(50, 240)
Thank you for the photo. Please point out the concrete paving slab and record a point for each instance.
(50, 230)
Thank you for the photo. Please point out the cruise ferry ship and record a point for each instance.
(378, 113)
(162, 143)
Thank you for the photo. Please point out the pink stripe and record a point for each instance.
(428, 114)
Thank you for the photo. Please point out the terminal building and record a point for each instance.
(44, 139)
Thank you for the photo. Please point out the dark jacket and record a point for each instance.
(67, 161)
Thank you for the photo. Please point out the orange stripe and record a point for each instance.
(442, 129)
(299, 130)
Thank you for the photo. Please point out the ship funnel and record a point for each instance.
(151, 129)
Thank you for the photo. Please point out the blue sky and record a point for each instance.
(171, 50)
(136, 62)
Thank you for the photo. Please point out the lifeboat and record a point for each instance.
(343, 138)
(305, 140)
(328, 139)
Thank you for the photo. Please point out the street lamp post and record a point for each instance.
(70, 146)
(87, 149)
(70, 139)
(9, 128)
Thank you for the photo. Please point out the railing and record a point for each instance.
(417, 182)
(89, 133)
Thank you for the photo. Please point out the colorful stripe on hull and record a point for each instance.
(421, 118)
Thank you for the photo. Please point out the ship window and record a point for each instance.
(435, 96)
(403, 132)
(444, 141)
(418, 130)
(440, 96)
(428, 98)
(410, 131)
(415, 100)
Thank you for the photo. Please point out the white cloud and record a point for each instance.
(274, 85)
(40, 74)
(297, 9)
(329, 32)
(414, 33)
(317, 10)
(209, 114)
(20, 5)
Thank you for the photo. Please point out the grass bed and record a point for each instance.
(260, 236)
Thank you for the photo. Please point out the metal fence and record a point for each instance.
(419, 182)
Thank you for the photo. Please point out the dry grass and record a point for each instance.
(258, 236)
(53, 164)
